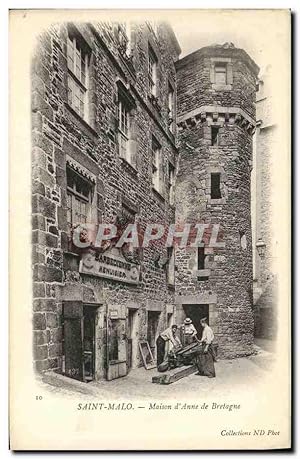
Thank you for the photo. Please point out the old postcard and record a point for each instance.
(150, 303)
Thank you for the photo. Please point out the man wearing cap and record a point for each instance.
(205, 358)
(189, 332)
(167, 335)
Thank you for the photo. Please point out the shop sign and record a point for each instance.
(110, 265)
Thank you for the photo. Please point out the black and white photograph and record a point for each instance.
(157, 153)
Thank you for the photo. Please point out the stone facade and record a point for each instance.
(264, 162)
(216, 118)
(90, 147)
(108, 146)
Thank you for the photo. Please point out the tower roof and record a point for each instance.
(219, 50)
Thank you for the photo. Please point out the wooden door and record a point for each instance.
(89, 343)
(116, 348)
(196, 312)
(73, 339)
(152, 330)
(130, 336)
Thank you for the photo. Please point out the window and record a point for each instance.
(127, 214)
(214, 136)
(203, 272)
(171, 266)
(152, 71)
(171, 108)
(124, 134)
(215, 191)
(201, 258)
(171, 183)
(77, 59)
(156, 166)
(127, 132)
(124, 131)
(79, 199)
(220, 73)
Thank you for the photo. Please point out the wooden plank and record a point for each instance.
(174, 375)
(187, 348)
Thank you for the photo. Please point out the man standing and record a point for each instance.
(189, 332)
(168, 335)
(205, 359)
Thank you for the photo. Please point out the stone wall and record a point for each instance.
(60, 138)
(265, 311)
(265, 160)
(228, 269)
(60, 135)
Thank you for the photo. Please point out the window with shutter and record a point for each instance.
(79, 199)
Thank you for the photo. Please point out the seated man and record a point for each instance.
(167, 335)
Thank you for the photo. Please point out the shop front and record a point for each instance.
(100, 339)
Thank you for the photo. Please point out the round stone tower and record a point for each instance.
(216, 88)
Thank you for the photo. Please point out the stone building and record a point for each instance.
(264, 162)
(216, 120)
(117, 121)
(103, 150)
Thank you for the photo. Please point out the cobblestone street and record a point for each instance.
(232, 375)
